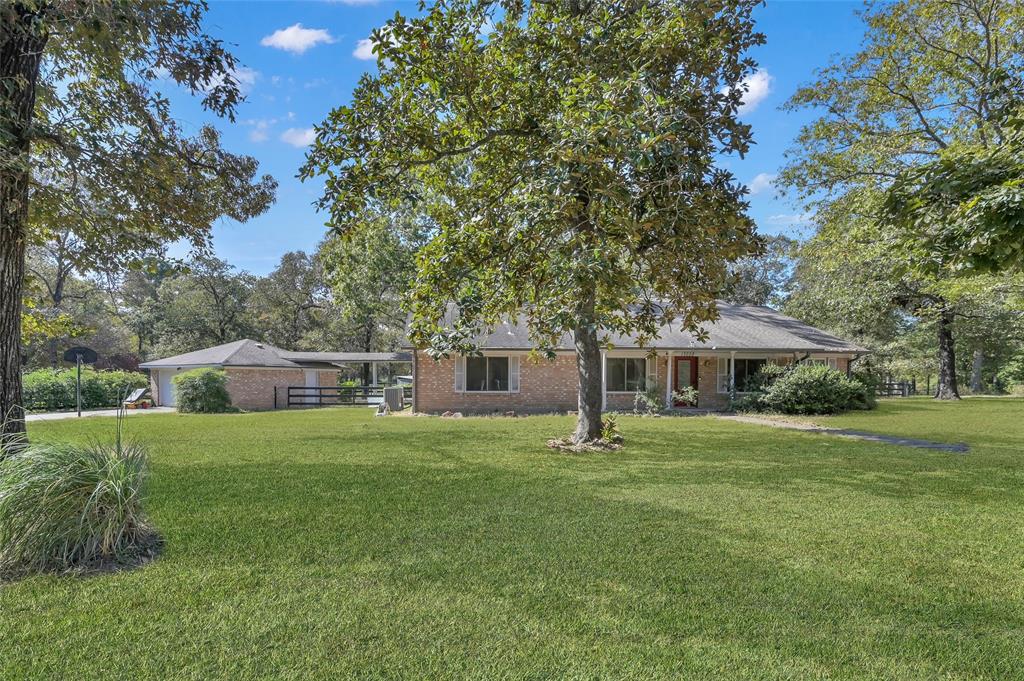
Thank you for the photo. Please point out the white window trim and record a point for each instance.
(730, 375)
(514, 375)
(626, 355)
(830, 362)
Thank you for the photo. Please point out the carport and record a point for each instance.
(261, 376)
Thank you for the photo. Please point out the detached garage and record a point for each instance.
(255, 369)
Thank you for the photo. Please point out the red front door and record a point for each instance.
(684, 376)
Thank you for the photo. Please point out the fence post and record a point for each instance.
(275, 397)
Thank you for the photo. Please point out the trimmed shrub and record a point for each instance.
(54, 389)
(202, 391)
(814, 389)
(766, 377)
(867, 397)
(648, 401)
(748, 403)
(71, 506)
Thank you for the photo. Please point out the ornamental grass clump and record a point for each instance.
(66, 507)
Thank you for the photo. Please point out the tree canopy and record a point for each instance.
(928, 79)
(567, 158)
(965, 209)
(89, 146)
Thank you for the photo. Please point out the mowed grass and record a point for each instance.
(329, 544)
(990, 422)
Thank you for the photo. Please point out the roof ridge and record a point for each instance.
(241, 344)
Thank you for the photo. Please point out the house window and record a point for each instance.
(487, 374)
(746, 369)
(831, 362)
(625, 374)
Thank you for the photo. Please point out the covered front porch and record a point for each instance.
(715, 376)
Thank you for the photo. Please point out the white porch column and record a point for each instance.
(732, 373)
(604, 379)
(668, 380)
(374, 368)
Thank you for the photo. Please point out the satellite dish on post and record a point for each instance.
(79, 355)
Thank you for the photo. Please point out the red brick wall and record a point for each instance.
(544, 386)
(708, 396)
(547, 386)
(254, 388)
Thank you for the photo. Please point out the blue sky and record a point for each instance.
(301, 59)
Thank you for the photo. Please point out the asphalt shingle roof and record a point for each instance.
(250, 353)
(739, 328)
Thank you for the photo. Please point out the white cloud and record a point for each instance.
(243, 75)
(299, 137)
(259, 133)
(296, 39)
(789, 220)
(756, 87)
(260, 128)
(364, 49)
(314, 83)
(761, 182)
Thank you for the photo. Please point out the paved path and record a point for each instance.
(59, 415)
(960, 447)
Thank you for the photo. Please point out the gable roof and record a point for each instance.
(241, 353)
(739, 328)
(250, 353)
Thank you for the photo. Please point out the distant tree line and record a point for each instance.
(164, 306)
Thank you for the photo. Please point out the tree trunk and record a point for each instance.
(977, 365)
(21, 51)
(367, 347)
(946, 387)
(588, 367)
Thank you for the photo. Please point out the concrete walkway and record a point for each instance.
(959, 448)
(60, 415)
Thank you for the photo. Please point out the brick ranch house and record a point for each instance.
(255, 369)
(505, 378)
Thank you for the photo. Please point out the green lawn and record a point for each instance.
(329, 544)
(990, 422)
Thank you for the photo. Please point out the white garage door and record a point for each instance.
(166, 387)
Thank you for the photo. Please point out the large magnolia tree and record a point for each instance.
(88, 143)
(568, 149)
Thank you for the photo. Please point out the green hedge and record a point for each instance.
(815, 389)
(202, 391)
(54, 389)
(806, 389)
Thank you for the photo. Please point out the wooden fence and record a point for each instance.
(329, 396)
(896, 389)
